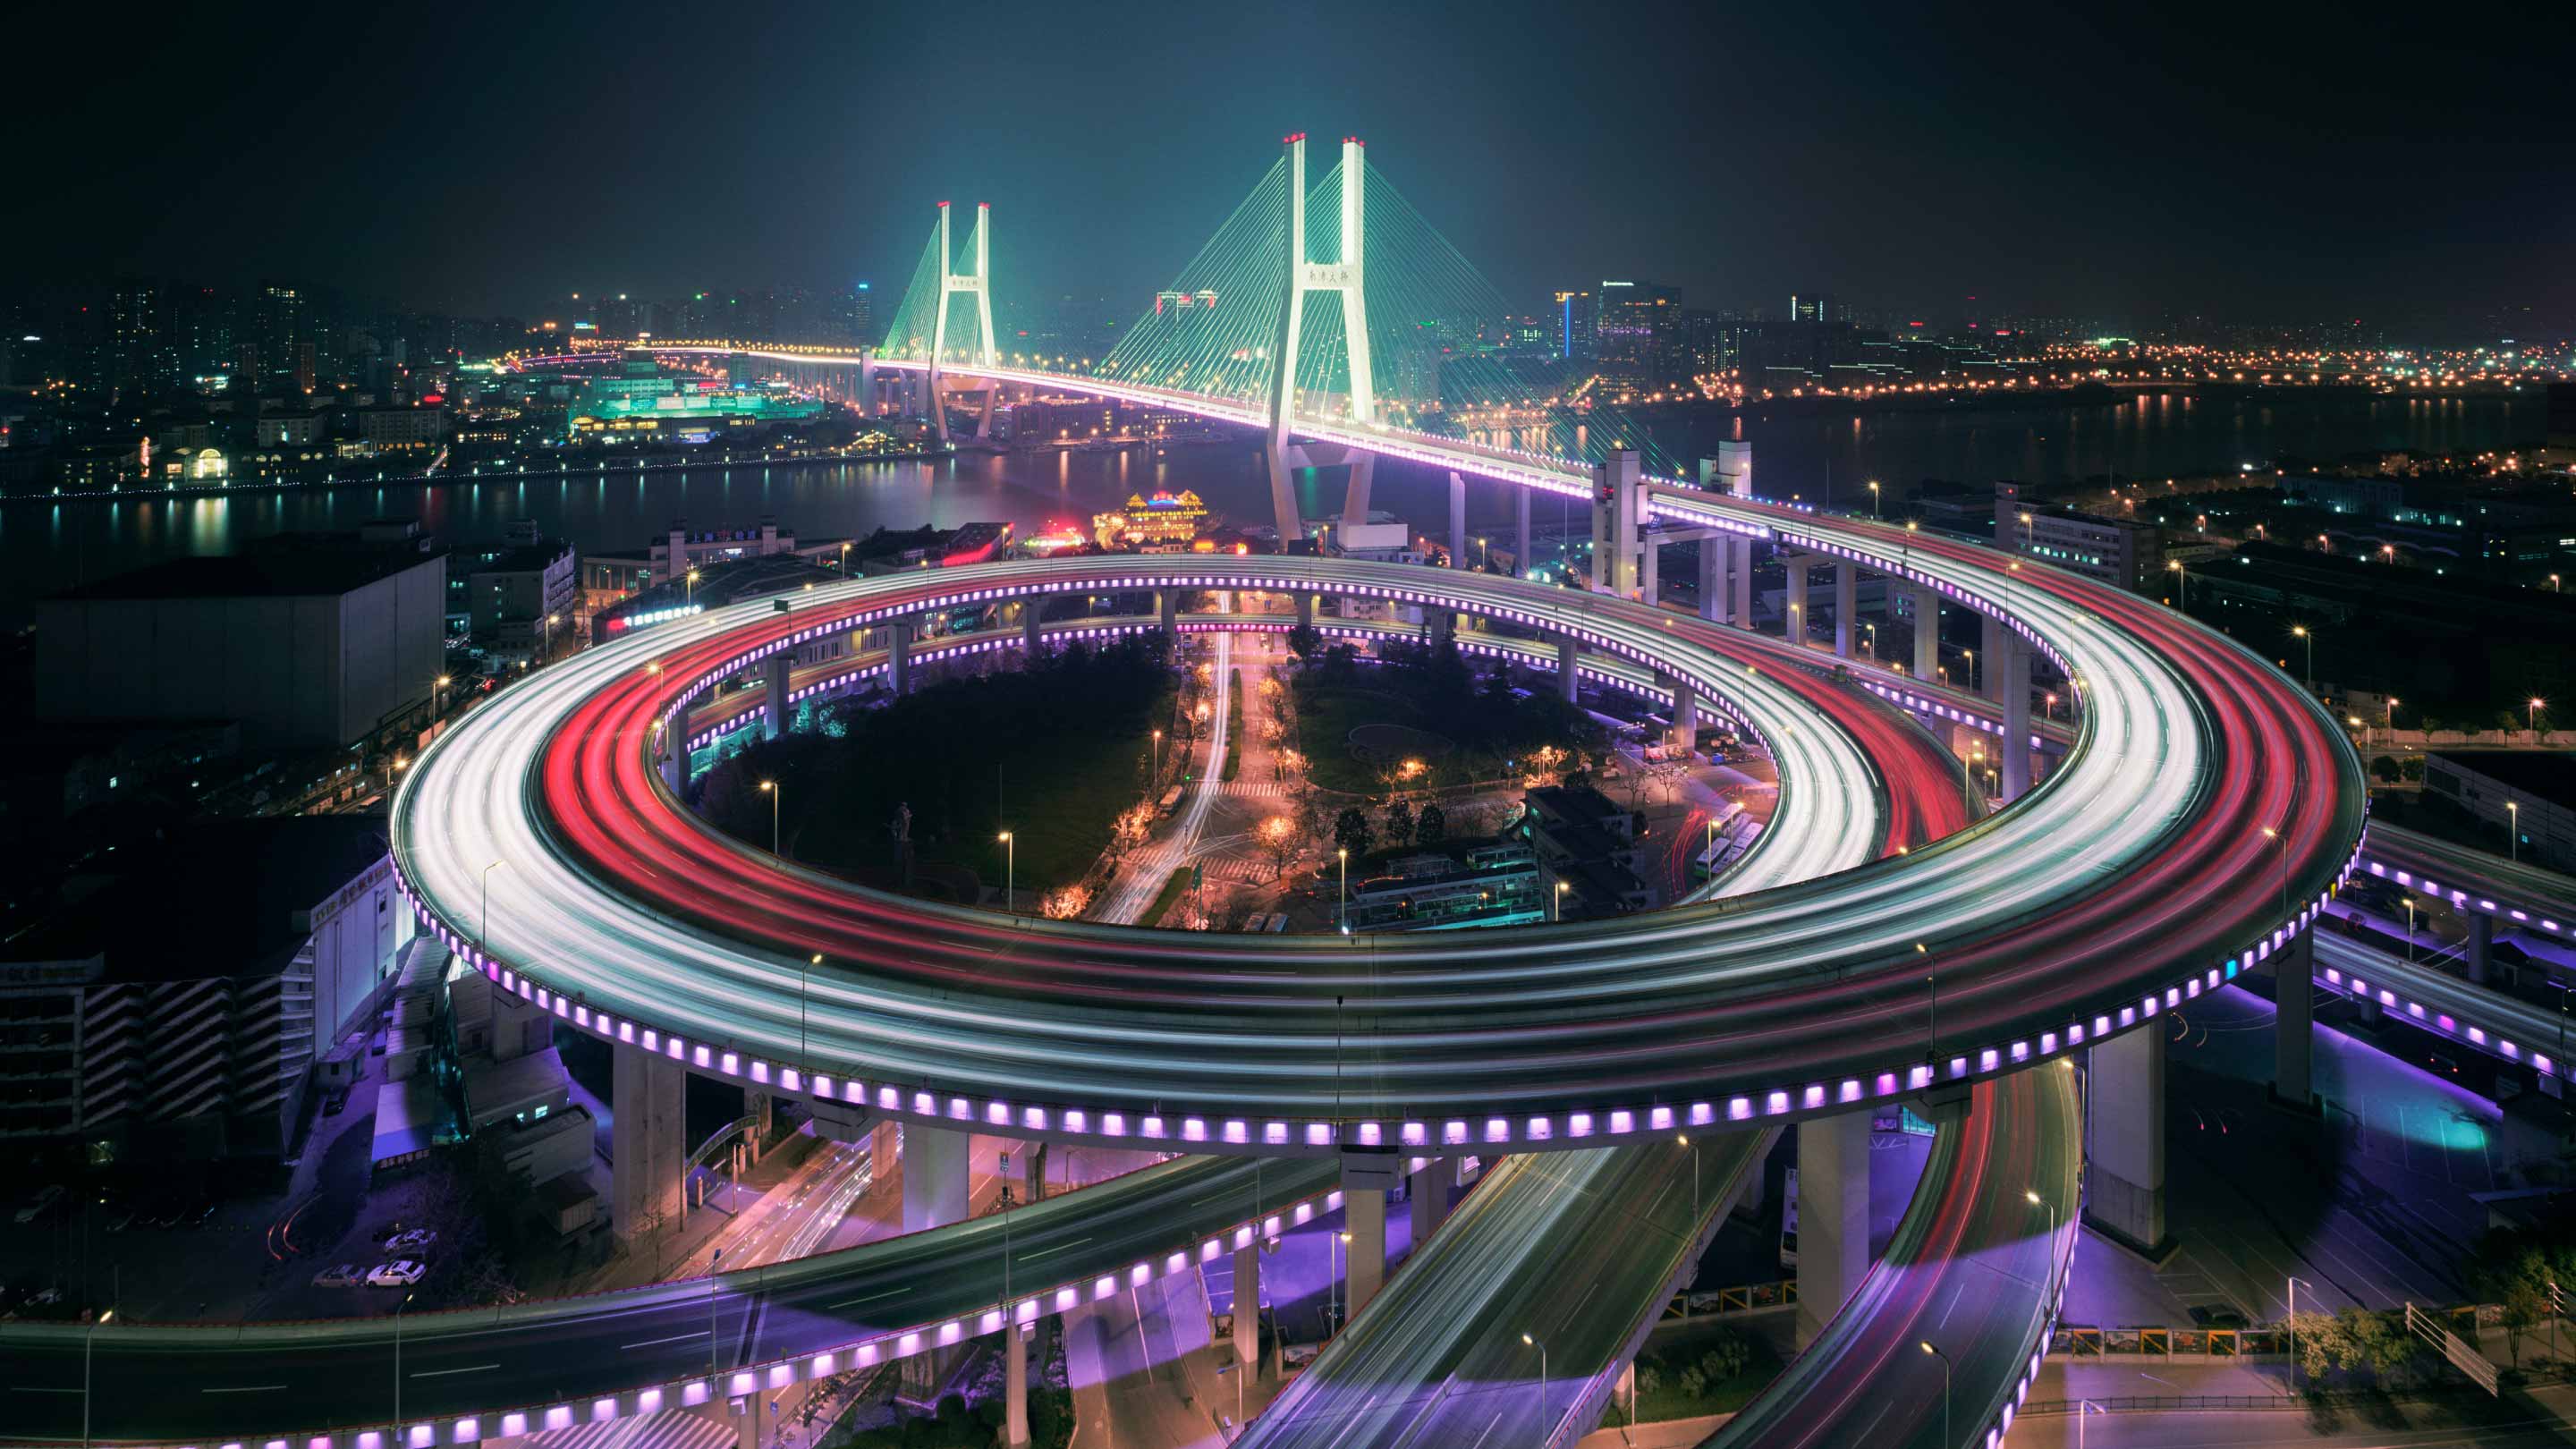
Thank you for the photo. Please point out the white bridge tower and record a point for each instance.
(1345, 276)
(952, 282)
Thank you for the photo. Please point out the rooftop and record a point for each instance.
(290, 565)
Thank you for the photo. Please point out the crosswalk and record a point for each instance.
(1259, 789)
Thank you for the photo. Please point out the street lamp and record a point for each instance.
(398, 1317)
(1556, 904)
(2293, 1321)
(88, 1343)
(1010, 873)
(1684, 1140)
(1873, 500)
(1158, 757)
(689, 592)
(1542, 1380)
(2513, 830)
(1970, 655)
(770, 789)
(2182, 584)
(2300, 631)
(2531, 717)
(1926, 1346)
(483, 931)
(1343, 918)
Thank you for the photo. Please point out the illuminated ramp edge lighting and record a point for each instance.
(501, 1372)
(2135, 878)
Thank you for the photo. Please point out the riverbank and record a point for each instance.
(437, 480)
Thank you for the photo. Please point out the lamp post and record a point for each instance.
(1970, 655)
(483, 931)
(1684, 1140)
(2294, 1326)
(2410, 930)
(88, 1343)
(1158, 757)
(1926, 1346)
(1342, 918)
(2531, 717)
(2182, 584)
(1010, 873)
(1542, 1382)
(770, 789)
(1873, 500)
(2513, 830)
(804, 1062)
(2300, 631)
(1556, 904)
(398, 1317)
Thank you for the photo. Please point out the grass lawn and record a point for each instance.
(1167, 897)
(1664, 1390)
(1325, 720)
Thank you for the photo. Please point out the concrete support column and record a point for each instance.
(1712, 580)
(1833, 1217)
(1033, 1166)
(1650, 570)
(899, 657)
(1990, 657)
(935, 1166)
(1364, 1213)
(1846, 608)
(1458, 523)
(1793, 604)
(1565, 681)
(1444, 624)
(1739, 573)
(1927, 633)
(2016, 741)
(1355, 499)
(1171, 609)
(675, 763)
(2481, 946)
(2293, 1044)
(1015, 1387)
(1685, 714)
(2125, 1127)
(646, 1133)
(1429, 1198)
(1305, 610)
(778, 666)
(1521, 516)
(1032, 620)
(1247, 1305)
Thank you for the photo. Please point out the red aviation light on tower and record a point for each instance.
(1284, 141)
(983, 206)
(1353, 141)
(943, 206)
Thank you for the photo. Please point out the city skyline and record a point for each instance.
(2161, 168)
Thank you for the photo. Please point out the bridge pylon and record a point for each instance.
(951, 282)
(1344, 275)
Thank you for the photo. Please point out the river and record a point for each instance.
(47, 545)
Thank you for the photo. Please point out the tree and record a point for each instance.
(1399, 824)
(1303, 641)
(1277, 838)
(1432, 825)
(2385, 770)
(1351, 831)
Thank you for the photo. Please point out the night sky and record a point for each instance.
(2255, 162)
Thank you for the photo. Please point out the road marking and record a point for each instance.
(442, 1373)
(32, 1389)
(657, 1342)
(249, 1389)
(1059, 1248)
(871, 1298)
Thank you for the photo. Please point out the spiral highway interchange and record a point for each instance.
(2204, 810)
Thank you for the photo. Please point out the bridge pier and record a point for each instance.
(1833, 1217)
(1521, 516)
(778, 666)
(1457, 522)
(1927, 633)
(1428, 1198)
(2293, 1025)
(1355, 494)
(646, 1136)
(1565, 681)
(2125, 1149)
(1282, 472)
(1712, 579)
(899, 657)
(1015, 1386)
(1989, 678)
(1739, 569)
(1305, 609)
(1685, 730)
(1168, 602)
(935, 1166)
(1032, 616)
(1443, 623)
(1364, 1215)
(1793, 602)
(1846, 607)
(1247, 1303)
(1650, 571)
(2016, 722)
(2481, 951)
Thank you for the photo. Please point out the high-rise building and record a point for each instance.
(139, 356)
(1814, 307)
(1575, 320)
(1638, 334)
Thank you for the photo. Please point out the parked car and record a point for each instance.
(344, 1276)
(401, 1273)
